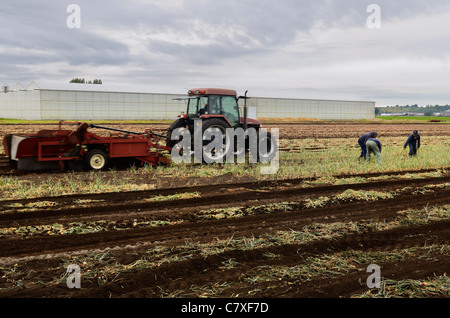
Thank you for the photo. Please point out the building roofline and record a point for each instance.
(108, 88)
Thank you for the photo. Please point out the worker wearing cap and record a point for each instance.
(362, 142)
(373, 145)
(413, 142)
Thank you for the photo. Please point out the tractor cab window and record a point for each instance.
(197, 106)
(230, 109)
(226, 106)
(214, 105)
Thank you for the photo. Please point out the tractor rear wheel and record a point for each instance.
(264, 149)
(216, 154)
(267, 148)
(97, 160)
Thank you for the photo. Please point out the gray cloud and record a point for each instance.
(277, 48)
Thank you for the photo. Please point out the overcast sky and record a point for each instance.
(285, 48)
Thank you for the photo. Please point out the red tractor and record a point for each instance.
(216, 108)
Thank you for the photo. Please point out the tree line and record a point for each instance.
(428, 110)
(83, 81)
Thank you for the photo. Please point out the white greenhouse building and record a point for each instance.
(100, 102)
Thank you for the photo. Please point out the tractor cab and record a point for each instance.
(216, 108)
(208, 103)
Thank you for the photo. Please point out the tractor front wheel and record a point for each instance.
(97, 160)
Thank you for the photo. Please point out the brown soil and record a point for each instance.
(40, 256)
(39, 252)
(287, 131)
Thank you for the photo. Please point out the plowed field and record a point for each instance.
(229, 235)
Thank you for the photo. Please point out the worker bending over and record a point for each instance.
(363, 140)
(373, 145)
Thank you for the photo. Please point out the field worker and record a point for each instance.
(413, 142)
(373, 145)
(362, 142)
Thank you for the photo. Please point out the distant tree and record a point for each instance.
(83, 81)
(416, 108)
(78, 80)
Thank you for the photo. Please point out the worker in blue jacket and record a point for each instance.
(413, 142)
(362, 142)
(373, 146)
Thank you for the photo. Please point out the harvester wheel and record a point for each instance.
(96, 159)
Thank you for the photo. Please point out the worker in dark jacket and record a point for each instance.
(362, 142)
(413, 142)
(373, 146)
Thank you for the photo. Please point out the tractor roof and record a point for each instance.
(212, 91)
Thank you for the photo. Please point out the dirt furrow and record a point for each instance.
(127, 206)
(354, 283)
(207, 230)
(204, 271)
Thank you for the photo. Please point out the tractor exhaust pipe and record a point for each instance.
(245, 112)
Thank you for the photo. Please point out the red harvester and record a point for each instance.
(79, 149)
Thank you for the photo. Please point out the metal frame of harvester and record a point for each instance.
(78, 149)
